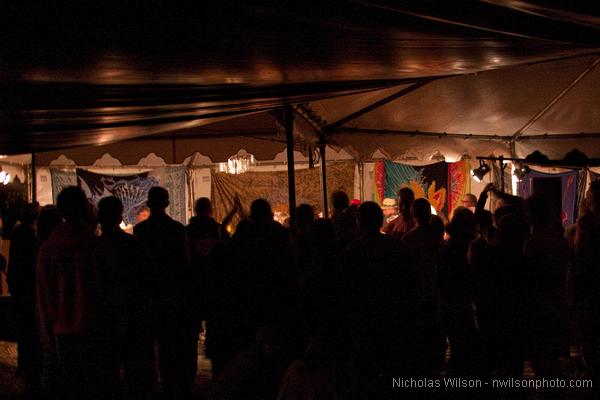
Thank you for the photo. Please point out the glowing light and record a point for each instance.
(238, 164)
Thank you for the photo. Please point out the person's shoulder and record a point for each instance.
(132, 243)
(141, 226)
(588, 221)
(19, 230)
(99, 242)
(176, 225)
(127, 237)
(411, 235)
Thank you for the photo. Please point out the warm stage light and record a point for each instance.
(479, 173)
(521, 172)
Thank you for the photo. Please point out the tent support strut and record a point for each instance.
(555, 100)
(324, 204)
(33, 179)
(378, 104)
(289, 136)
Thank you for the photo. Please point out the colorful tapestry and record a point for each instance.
(132, 190)
(443, 184)
(273, 187)
(459, 180)
(569, 192)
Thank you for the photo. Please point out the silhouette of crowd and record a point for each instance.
(331, 308)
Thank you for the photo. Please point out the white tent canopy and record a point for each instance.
(552, 107)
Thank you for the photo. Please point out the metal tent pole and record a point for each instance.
(33, 179)
(289, 136)
(325, 205)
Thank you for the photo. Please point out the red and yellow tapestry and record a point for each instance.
(443, 184)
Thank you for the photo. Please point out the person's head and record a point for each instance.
(203, 207)
(142, 214)
(469, 200)
(405, 199)
(110, 212)
(500, 212)
(260, 211)
(421, 212)
(305, 215)
(370, 217)
(537, 211)
(340, 200)
(49, 218)
(462, 225)
(593, 197)
(30, 213)
(389, 207)
(513, 230)
(73, 205)
(158, 199)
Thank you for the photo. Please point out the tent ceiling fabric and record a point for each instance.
(91, 73)
(491, 103)
(578, 111)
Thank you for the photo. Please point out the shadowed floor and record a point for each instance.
(11, 386)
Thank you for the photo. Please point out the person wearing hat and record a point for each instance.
(390, 210)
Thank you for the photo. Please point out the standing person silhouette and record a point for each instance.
(381, 292)
(132, 290)
(74, 280)
(21, 283)
(166, 240)
(587, 279)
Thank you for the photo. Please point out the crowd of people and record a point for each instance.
(330, 308)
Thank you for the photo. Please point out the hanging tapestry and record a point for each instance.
(582, 176)
(443, 184)
(459, 182)
(568, 187)
(273, 187)
(594, 176)
(132, 190)
(60, 180)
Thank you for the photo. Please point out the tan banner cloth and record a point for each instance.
(273, 186)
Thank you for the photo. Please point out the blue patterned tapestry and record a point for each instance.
(132, 190)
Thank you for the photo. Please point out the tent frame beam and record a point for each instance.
(467, 136)
(556, 98)
(559, 136)
(385, 132)
(289, 135)
(377, 104)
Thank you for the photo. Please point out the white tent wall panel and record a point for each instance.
(44, 185)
